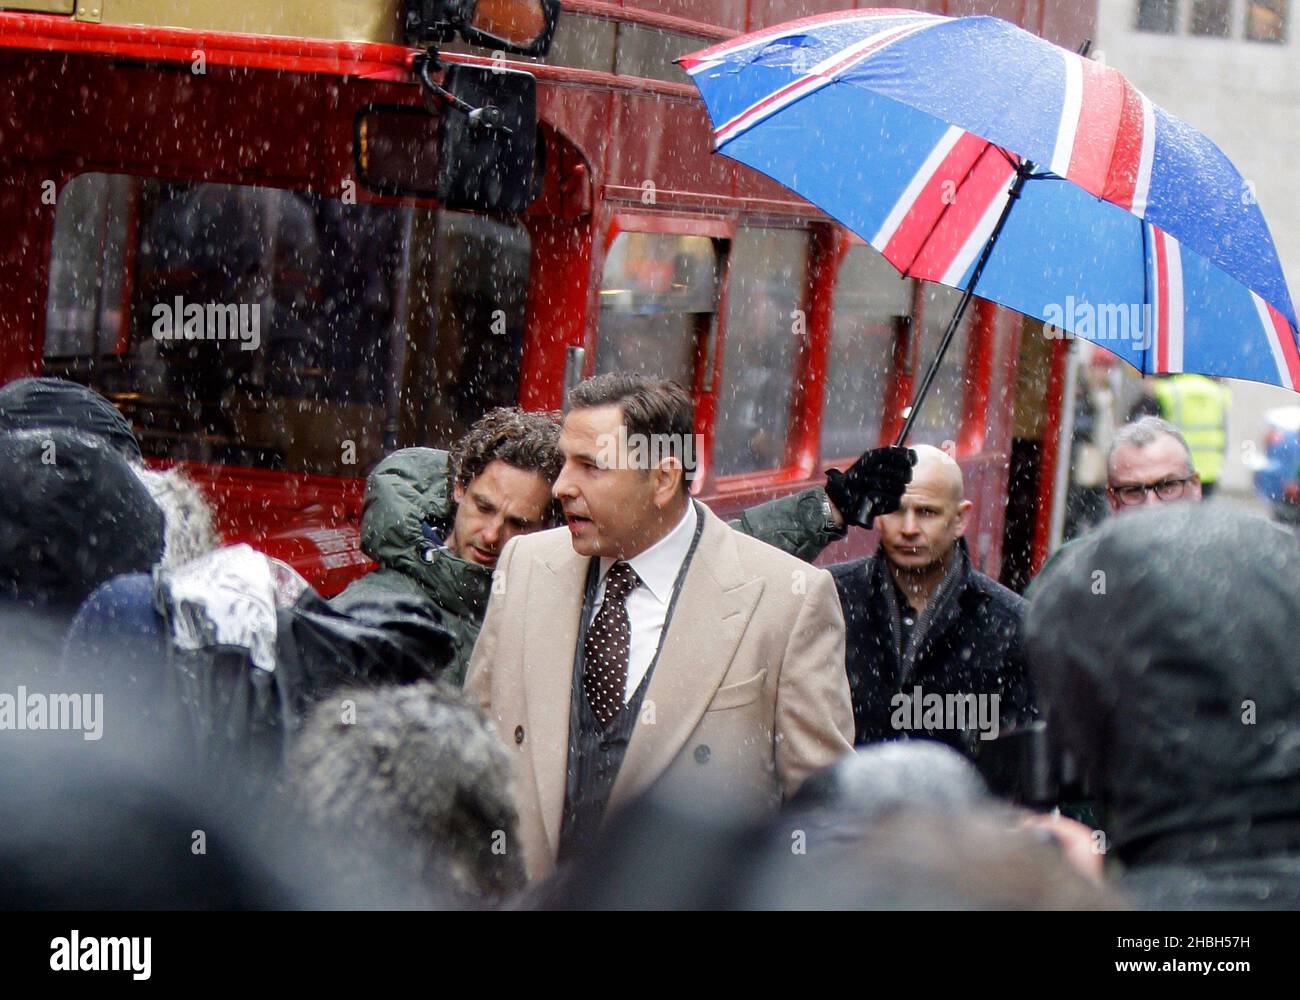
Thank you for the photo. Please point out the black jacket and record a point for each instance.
(971, 646)
(1164, 645)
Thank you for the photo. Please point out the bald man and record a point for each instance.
(932, 646)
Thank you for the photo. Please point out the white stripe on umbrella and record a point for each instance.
(918, 183)
(1143, 186)
(1166, 300)
(1071, 108)
(1174, 268)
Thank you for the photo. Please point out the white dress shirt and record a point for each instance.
(647, 605)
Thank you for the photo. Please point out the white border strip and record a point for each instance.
(1142, 188)
(978, 237)
(1271, 332)
(850, 17)
(1071, 110)
(1174, 266)
(843, 61)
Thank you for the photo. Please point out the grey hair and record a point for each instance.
(1143, 432)
(874, 782)
(187, 519)
(414, 772)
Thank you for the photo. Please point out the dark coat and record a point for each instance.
(972, 646)
(227, 701)
(1164, 645)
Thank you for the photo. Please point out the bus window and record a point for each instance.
(941, 412)
(870, 302)
(466, 322)
(658, 298)
(765, 330)
(85, 310)
(267, 327)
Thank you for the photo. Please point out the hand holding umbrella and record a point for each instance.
(873, 485)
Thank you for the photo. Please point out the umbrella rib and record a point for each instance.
(1146, 289)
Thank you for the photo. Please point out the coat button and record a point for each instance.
(702, 753)
(519, 734)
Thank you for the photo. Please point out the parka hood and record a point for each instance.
(1165, 647)
(408, 490)
(73, 515)
(56, 403)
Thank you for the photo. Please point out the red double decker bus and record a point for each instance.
(244, 224)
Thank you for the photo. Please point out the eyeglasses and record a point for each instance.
(1166, 489)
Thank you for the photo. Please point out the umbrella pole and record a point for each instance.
(1022, 174)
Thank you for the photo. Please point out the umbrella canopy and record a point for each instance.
(1130, 228)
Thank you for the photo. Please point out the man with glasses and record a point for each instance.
(1149, 463)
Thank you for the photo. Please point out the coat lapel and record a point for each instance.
(553, 609)
(711, 615)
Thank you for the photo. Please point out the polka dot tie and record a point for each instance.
(605, 652)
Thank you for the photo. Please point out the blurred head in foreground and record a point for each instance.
(1165, 647)
(415, 773)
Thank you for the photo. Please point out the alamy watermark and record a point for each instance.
(33, 711)
(1103, 322)
(647, 451)
(931, 712)
(181, 320)
(75, 953)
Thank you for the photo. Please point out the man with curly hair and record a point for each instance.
(501, 475)
(436, 521)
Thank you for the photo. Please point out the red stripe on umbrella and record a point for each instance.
(1094, 140)
(949, 242)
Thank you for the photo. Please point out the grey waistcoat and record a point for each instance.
(595, 754)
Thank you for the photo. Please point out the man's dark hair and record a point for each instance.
(657, 409)
(528, 441)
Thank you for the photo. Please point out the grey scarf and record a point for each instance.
(943, 594)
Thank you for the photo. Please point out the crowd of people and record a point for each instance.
(569, 684)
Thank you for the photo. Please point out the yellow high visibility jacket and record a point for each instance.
(1198, 406)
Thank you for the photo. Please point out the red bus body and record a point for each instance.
(624, 154)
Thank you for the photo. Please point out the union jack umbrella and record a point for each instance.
(921, 133)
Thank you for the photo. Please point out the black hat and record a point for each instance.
(47, 403)
(74, 516)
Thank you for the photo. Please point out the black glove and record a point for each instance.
(873, 485)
